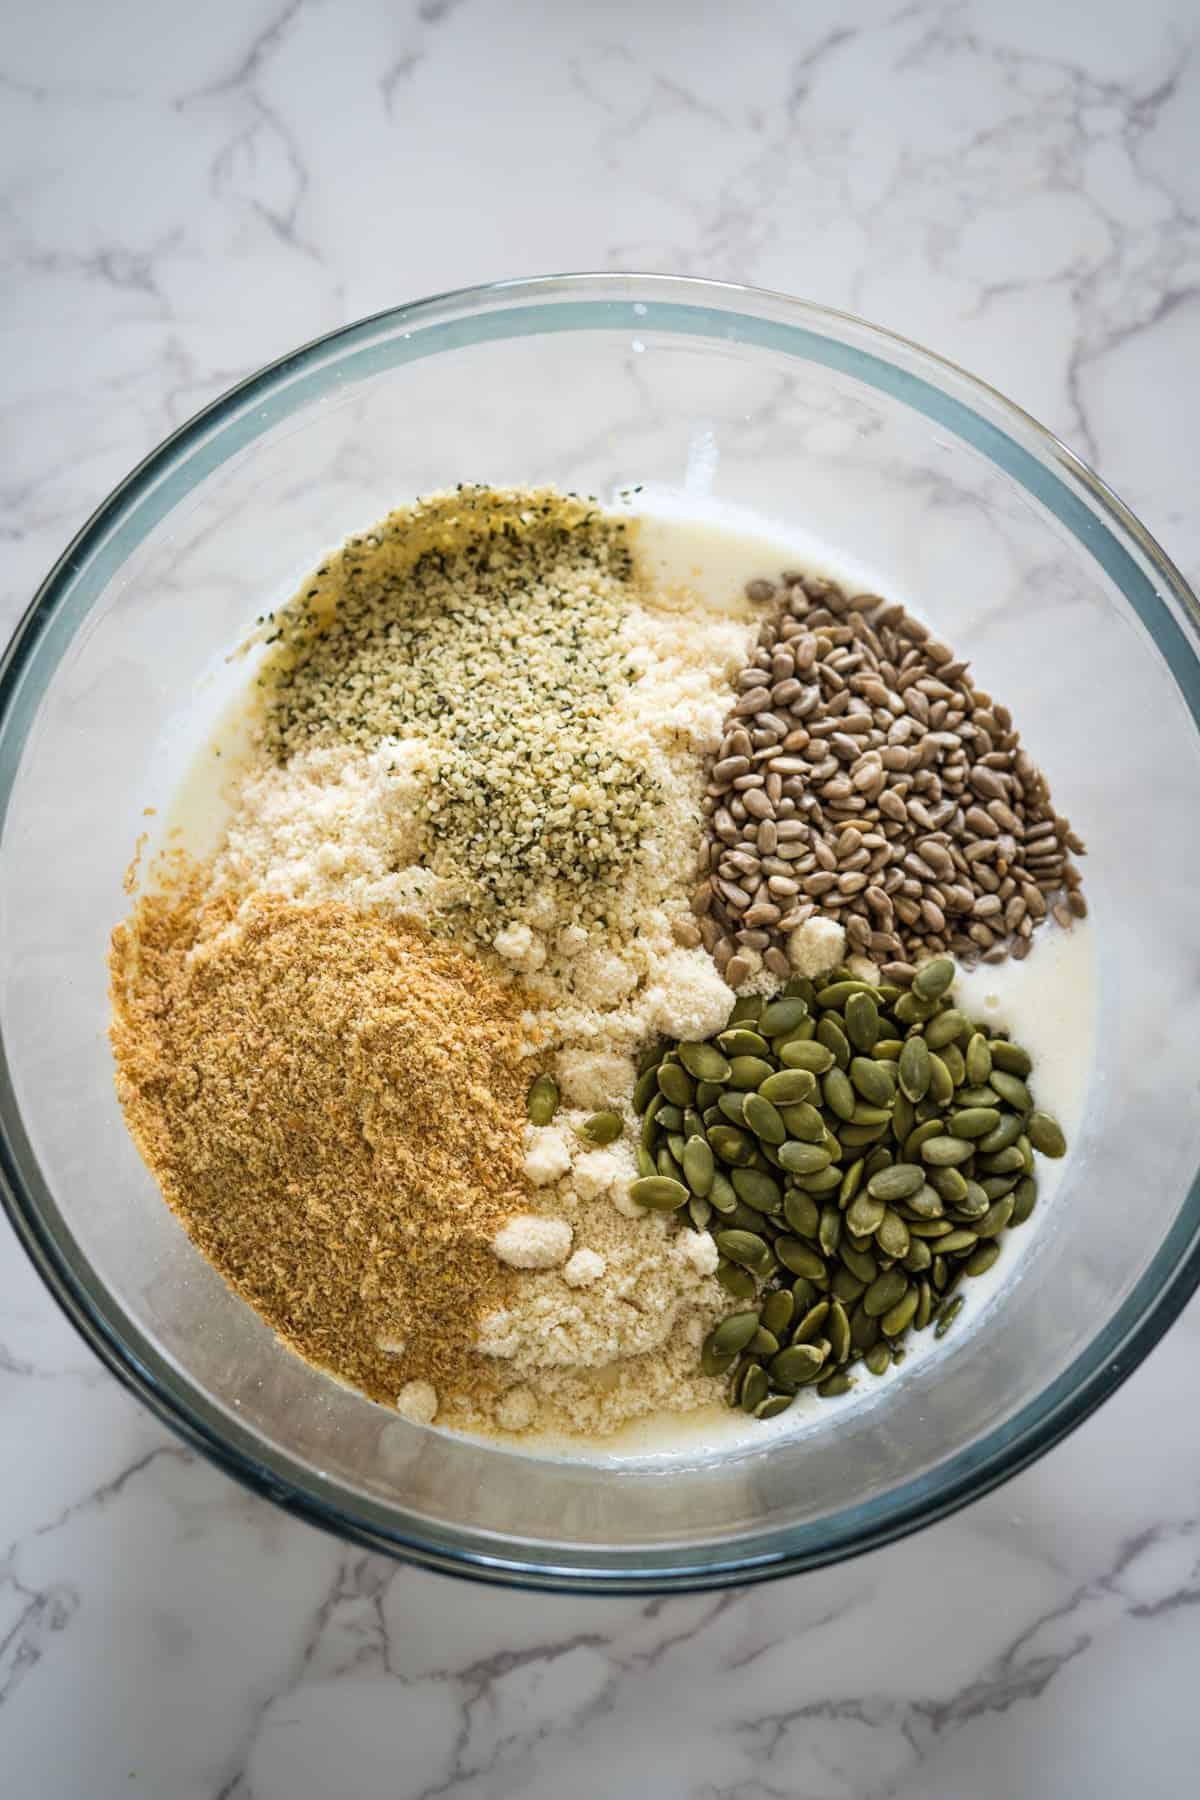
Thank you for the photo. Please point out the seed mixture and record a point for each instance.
(865, 776)
(562, 1033)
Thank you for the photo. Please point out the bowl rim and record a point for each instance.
(1110, 1355)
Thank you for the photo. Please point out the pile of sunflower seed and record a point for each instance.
(862, 775)
(856, 1150)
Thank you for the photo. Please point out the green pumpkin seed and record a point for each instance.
(945, 1027)
(643, 1093)
(804, 1121)
(996, 1218)
(788, 1087)
(771, 1409)
(893, 1236)
(977, 1096)
(838, 1094)
(745, 1248)
(806, 1055)
(833, 1385)
(731, 1145)
(658, 1192)
(1011, 1058)
(541, 1102)
(1024, 1201)
(837, 1327)
(675, 1084)
(888, 1050)
(802, 1214)
(704, 1061)
(781, 1016)
(667, 1166)
(861, 1263)
(796, 1366)
(974, 1203)
(646, 1164)
(699, 1212)
(754, 1389)
(1046, 1134)
(933, 978)
(949, 1184)
(884, 1292)
(699, 1166)
(736, 1281)
(830, 1033)
(865, 1214)
(943, 1150)
(842, 988)
(996, 1186)
(981, 1260)
(898, 1318)
(862, 1021)
(745, 1072)
(829, 1230)
(973, 1122)
(952, 1058)
(873, 1080)
(804, 1159)
(978, 1059)
(878, 1359)
(707, 1094)
(721, 1194)
(847, 1287)
(1013, 1089)
(914, 1069)
(904, 1117)
(804, 1294)
(910, 1009)
(800, 1259)
(732, 1107)
(763, 1343)
(778, 1311)
(955, 1242)
(670, 1118)
(851, 1182)
(946, 1316)
(602, 1128)
(711, 1363)
(1004, 1162)
(811, 1323)
(756, 1189)
(732, 1334)
(926, 1203)
(896, 1182)
(742, 1042)
(941, 1083)
(919, 1257)
(763, 1119)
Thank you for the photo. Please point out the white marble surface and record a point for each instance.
(1018, 186)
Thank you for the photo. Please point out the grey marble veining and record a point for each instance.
(1017, 187)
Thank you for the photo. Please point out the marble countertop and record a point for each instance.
(1017, 186)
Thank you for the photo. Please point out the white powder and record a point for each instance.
(532, 1242)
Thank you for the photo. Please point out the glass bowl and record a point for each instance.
(971, 512)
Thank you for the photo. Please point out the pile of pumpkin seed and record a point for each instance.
(856, 1149)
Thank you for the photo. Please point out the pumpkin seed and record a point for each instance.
(658, 1192)
(996, 1218)
(973, 1122)
(874, 1081)
(1046, 1134)
(731, 1145)
(699, 1212)
(704, 1061)
(956, 1241)
(865, 1214)
(851, 1182)
(771, 1409)
(977, 1096)
(933, 978)
(707, 1094)
(811, 1323)
(736, 1281)
(713, 1364)
(801, 1055)
(796, 1366)
(804, 1121)
(1013, 1089)
(804, 1159)
(974, 1202)
(978, 1059)
(829, 1230)
(837, 1326)
(919, 1257)
(745, 1248)
(898, 1318)
(763, 1119)
(981, 1260)
(941, 1084)
(996, 1186)
(955, 1063)
(947, 1316)
(914, 1069)
(884, 1292)
(644, 1091)
(924, 1310)
(667, 1166)
(842, 988)
(781, 1016)
(949, 1184)
(732, 1334)
(1011, 1058)
(945, 1027)
(602, 1128)
(1004, 1162)
(862, 1021)
(846, 1286)
(746, 1008)
(838, 1383)
(800, 1259)
(1024, 1201)
(756, 1189)
(732, 1107)
(721, 1194)
(838, 1094)
(896, 1182)
(788, 1087)
(830, 1033)
(754, 1389)
(778, 1311)
(878, 1359)
(742, 1042)
(541, 1102)
(888, 1049)
(926, 1203)
(943, 1150)
(892, 1236)
(675, 1084)
(745, 1072)
(699, 1166)
(646, 1164)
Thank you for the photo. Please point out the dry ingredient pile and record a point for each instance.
(439, 1059)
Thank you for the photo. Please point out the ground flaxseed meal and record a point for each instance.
(334, 1106)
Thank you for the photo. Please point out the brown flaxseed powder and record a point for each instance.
(333, 1105)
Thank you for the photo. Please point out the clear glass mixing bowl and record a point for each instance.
(969, 509)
